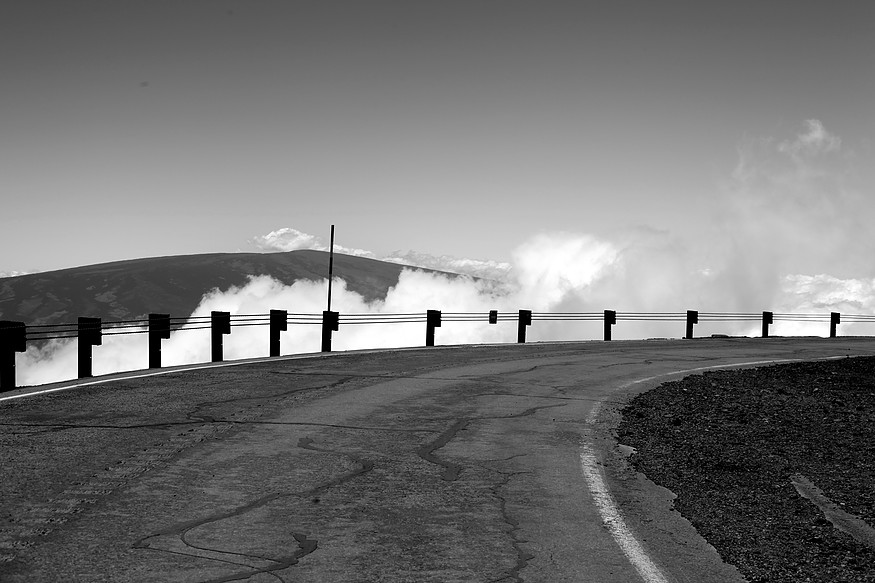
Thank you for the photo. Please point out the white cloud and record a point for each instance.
(487, 269)
(822, 294)
(551, 266)
(826, 293)
(288, 239)
(814, 140)
(784, 212)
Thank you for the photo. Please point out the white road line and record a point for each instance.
(604, 502)
(613, 519)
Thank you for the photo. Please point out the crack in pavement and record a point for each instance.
(169, 538)
(55, 427)
(250, 402)
(552, 397)
(28, 527)
(523, 557)
(51, 428)
(453, 470)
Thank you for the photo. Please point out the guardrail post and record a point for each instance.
(525, 319)
(432, 321)
(768, 318)
(610, 320)
(13, 338)
(90, 334)
(159, 328)
(220, 324)
(493, 316)
(692, 318)
(835, 318)
(279, 322)
(330, 322)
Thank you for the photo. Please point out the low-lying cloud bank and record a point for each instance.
(289, 239)
(788, 235)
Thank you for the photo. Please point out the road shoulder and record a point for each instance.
(647, 508)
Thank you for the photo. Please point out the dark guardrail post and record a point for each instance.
(279, 322)
(768, 318)
(610, 320)
(432, 321)
(692, 318)
(220, 324)
(493, 316)
(835, 318)
(159, 328)
(330, 322)
(13, 338)
(525, 319)
(89, 332)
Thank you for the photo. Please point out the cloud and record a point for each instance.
(783, 213)
(814, 140)
(824, 293)
(288, 239)
(550, 267)
(488, 269)
(821, 294)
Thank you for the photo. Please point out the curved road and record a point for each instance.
(488, 463)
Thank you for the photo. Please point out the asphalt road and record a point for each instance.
(492, 463)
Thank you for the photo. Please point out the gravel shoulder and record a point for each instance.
(730, 444)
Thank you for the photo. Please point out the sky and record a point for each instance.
(464, 129)
(637, 156)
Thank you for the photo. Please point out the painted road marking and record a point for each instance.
(611, 516)
(613, 520)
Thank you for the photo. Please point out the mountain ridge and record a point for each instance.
(130, 289)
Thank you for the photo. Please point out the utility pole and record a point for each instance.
(330, 267)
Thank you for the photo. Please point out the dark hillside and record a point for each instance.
(131, 289)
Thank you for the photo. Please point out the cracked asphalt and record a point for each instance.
(444, 464)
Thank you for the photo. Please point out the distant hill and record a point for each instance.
(127, 290)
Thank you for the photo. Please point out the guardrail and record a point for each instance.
(14, 335)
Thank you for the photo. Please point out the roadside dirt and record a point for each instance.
(729, 443)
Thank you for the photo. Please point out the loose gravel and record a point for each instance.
(728, 444)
